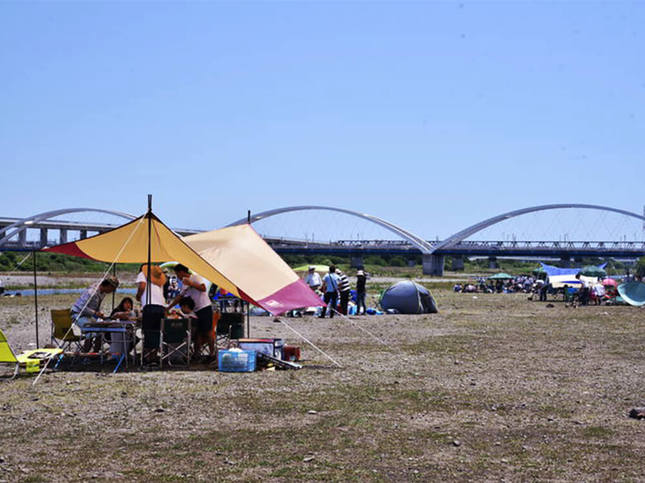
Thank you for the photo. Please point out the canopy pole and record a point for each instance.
(36, 299)
(248, 304)
(148, 275)
(113, 293)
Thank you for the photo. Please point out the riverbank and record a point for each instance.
(492, 387)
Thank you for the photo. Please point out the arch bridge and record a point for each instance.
(456, 245)
(13, 233)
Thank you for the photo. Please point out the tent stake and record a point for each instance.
(36, 298)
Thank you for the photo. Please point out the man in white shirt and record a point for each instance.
(313, 279)
(195, 288)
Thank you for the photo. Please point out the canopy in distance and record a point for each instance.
(500, 276)
(129, 244)
(317, 268)
(633, 293)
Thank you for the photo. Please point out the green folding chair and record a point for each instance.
(174, 343)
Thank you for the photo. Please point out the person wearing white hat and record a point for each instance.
(313, 279)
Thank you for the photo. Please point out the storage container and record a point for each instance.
(236, 360)
(272, 347)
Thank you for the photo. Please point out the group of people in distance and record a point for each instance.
(193, 300)
(336, 289)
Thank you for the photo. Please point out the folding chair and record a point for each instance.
(61, 323)
(230, 325)
(174, 342)
(7, 355)
(32, 360)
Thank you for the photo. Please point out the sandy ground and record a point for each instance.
(18, 279)
(494, 387)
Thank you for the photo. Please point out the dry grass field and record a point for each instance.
(493, 387)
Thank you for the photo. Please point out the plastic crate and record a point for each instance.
(236, 360)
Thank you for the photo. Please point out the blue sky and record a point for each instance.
(430, 115)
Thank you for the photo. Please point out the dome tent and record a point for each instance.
(408, 297)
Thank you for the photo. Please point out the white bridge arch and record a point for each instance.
(417, 241)
(21, 225)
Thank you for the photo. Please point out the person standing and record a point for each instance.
(361, 280)
(344, 289)
(330, 290)
(313, 279)
(195, 288)
(152, 307)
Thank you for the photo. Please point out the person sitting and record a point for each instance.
(87, 308)
(124, 311)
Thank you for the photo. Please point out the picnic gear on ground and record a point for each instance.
(31, 360)
(408, 298)
(272, 347)
(236, 360)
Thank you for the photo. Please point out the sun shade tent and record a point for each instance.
(633, 293)
(246, 260)
(408, 297)
(129, 244)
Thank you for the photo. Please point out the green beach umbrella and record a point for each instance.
(593, 271)
(501, 276)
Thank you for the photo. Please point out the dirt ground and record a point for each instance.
(494, 387)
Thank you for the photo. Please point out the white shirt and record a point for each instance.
(313, 280)
(156, 292)
(201, 299)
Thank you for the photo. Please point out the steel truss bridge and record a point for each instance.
(13, 236)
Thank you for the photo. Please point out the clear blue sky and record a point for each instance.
(430, 115)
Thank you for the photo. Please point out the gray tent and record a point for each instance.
(408, 298)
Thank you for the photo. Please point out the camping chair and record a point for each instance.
(31, 359)
(61, 324)
(7, 355)
(174, 342)
(230, 325)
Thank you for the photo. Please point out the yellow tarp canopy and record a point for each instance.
(129, 244)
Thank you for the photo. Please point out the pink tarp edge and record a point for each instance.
(294, 296)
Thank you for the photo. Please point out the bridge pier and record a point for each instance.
(63, 236)
(457, 263)
(492, 262)
(83, 234)
(433, 265)
(43, 237)
(22, 238)
(356, 261)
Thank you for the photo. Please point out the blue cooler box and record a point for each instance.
(236, 360)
